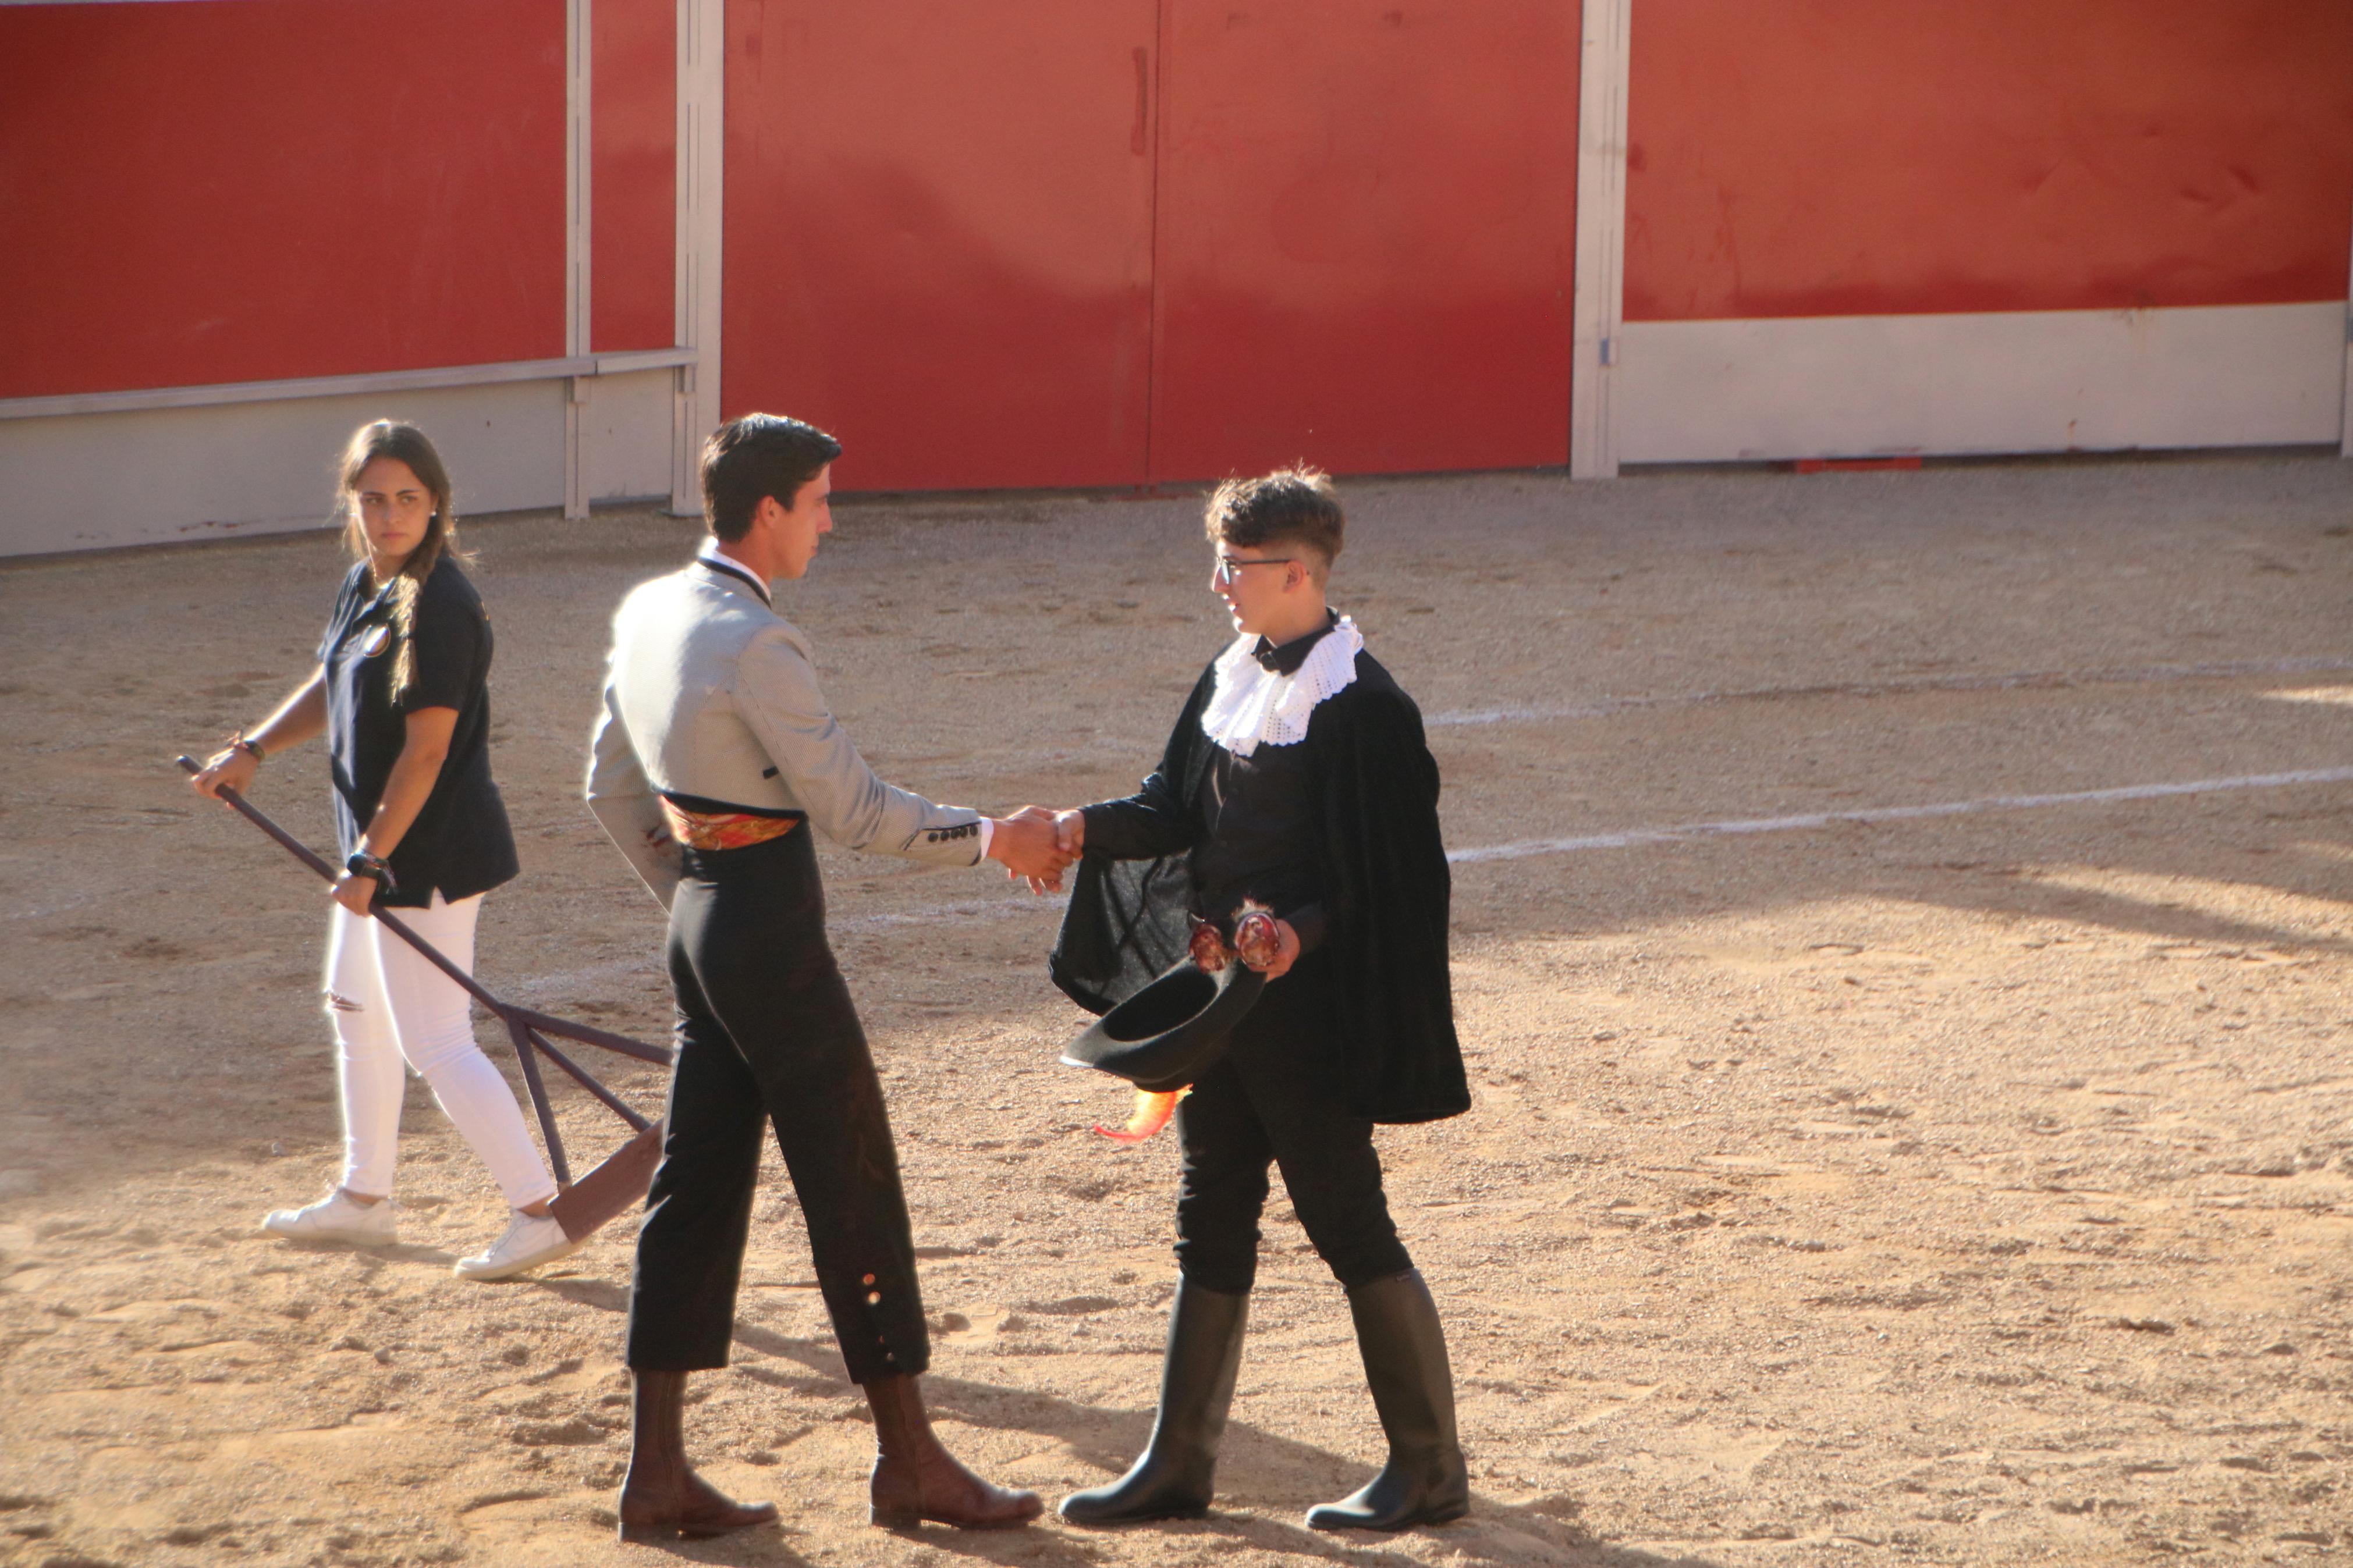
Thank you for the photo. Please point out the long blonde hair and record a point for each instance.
(403, 443)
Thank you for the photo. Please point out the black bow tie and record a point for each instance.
(1286, 660)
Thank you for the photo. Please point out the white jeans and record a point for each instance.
(389, 1003)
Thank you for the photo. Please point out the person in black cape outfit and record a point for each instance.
(1297, 781)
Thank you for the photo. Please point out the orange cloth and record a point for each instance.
(723, 829)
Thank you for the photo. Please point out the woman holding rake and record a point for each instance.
(401, 692)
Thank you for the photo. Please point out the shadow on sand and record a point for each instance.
(1267, 1482)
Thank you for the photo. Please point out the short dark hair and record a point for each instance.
(746, 461)
(1290, 505)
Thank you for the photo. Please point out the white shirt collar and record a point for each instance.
(710, 557)
(1253, 706)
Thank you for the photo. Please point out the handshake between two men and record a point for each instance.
(1296, 771)
(1037, 845)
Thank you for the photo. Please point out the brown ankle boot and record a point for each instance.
(916, 1479)
(661, 1497)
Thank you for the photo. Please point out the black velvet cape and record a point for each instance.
(1386, 888)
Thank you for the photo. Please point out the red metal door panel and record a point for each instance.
(633, 201)
(938, 234)
(1852, 157)
(1367, 234)
(196, 194)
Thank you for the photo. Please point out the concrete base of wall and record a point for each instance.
(625, 426)
(2039, 381)
(90, 481)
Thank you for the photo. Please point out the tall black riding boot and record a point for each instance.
(1425, 1481)
(1174, 1478)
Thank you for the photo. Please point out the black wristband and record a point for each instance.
(360, 863)
(244, 742)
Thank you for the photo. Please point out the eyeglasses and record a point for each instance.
(1228, 569)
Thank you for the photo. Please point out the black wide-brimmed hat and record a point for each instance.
(1168, 1034)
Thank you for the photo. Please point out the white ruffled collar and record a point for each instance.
(1255, 706)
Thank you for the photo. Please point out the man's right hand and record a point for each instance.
(1030, 848)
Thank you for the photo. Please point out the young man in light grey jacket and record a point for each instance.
(714, 759)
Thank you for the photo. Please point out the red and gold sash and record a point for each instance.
(723, 829)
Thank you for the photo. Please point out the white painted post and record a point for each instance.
(578, 158)
(701, 130)
(2345, 411)
(1600, 236)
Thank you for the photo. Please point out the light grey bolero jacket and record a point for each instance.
(710, 692)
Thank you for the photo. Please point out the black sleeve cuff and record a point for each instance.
(1311, 925)
(1128, 830)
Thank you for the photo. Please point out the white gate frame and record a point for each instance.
(2345, 415)
(578, 150)
(702, 193)
(1600, 286)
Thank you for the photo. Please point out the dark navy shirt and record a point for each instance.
(460, 843)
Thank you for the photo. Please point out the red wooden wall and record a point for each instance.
(1074, 242)
(1366, 236)
(939, 234)
(1854, 157)
(633, 200)
(258, 189)
(1080, 242)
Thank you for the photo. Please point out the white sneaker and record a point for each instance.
(528, 1242)
(336, 1217)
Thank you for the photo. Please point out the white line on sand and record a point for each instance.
(1633, 838)
(990, 764)
(2020, 680)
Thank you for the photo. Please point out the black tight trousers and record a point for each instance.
(1274, 1099)
(766, 1034)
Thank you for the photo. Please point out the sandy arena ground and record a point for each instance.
(1970, 1188)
